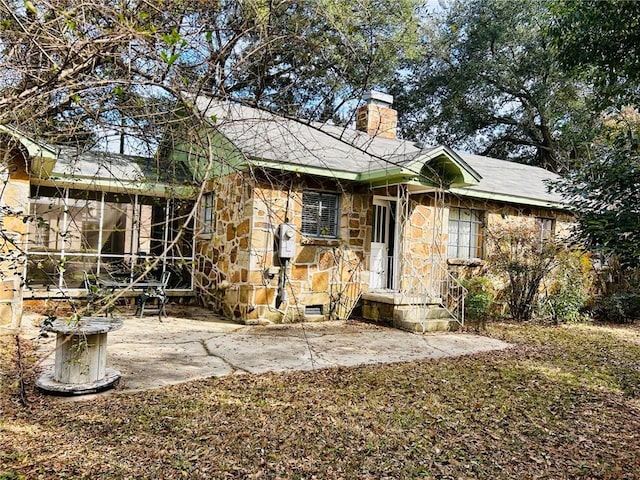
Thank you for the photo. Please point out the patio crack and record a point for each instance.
(234, 368)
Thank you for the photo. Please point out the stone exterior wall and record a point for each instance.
(222, 256)
(239, 272)
(424, 245)
(14, 205)
(499, 214)
(241, 275)
(328, 272)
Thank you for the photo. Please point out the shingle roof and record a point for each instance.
(126, 168)
(97, 164)
(502, 178)
(263, 135)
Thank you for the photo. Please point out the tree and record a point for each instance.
(599, 40)
(318, 55)
(490, 83)
(69, 67)
(604, 195)
(82, 73)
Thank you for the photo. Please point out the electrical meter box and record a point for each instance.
(287, 237)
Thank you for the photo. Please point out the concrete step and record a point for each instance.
(420, 313)
(413, 318)
(439, 325)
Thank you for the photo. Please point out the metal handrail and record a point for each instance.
(441, 285)
(453, 295)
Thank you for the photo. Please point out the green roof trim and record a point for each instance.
(304, 169)
(441, 159)
(500, 197)
(119, 186)
(446, 165)
(34, 148)
(224, 157)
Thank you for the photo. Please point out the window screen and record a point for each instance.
(207, 213)
(546, 229)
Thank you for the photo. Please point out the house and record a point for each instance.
(295, 221)
(310, 220)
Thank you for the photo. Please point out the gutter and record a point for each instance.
(129, 187)
(502, 197)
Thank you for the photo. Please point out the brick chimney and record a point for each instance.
(377, 118)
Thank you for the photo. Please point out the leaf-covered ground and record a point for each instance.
(563, 403)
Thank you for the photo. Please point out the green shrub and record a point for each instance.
(479, 298)
(568, 288)
(619, 307)
(10, 476)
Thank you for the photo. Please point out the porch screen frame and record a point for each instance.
(97, 259)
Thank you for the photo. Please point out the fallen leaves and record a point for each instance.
(562, 404)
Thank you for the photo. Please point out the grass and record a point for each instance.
(563, 403)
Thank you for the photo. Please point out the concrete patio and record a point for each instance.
(151, 354)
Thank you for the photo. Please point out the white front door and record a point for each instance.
(381, 260)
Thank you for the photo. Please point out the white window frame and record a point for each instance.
(546, 229)
(208, 213)
(465, 229)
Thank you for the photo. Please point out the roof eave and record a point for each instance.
(303, 169)
(118, 186)
(468, 176)
(34, 148)
(502, 197)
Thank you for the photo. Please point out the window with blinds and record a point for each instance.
(320, 213)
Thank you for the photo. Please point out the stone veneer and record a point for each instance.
(14, 203)
(497, 214)
(239, 270)
(222, 255)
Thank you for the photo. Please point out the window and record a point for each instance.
(207, 213)
(546, 228)
(320, 214)
(465, 233)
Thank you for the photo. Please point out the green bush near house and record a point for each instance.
(10, 476)
(479, 299)
(619, 307)
(568, 288)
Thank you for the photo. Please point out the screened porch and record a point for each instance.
(74, 232)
